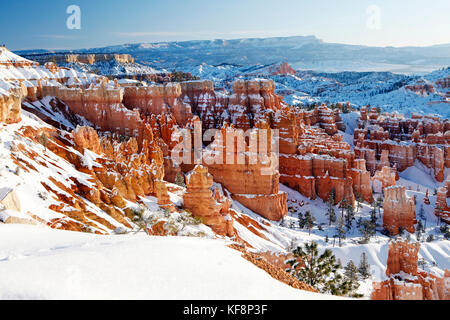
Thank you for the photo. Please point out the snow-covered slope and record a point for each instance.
(37, 263)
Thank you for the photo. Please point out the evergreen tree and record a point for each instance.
(359, 200)
(351, 272)
(419, 231)
(309, 220)
(340, 227)
(331, 212)
(350, 216)
(321, 271)
(364, 267)
(368, 230)
(179, 180)
(301, 220)
(422, 212)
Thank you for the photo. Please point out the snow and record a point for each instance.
(40, 263)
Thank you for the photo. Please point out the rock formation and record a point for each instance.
(442, 209)
(383, 179)
(212, 208)
(405, 281)
(399, 210)
(11, 105)
(81, 58)
(396, 140)
(255, 185)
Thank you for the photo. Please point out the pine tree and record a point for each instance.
(179, 180)
(340, 227)
(368, 229)
(422, 212)
(301, 220)
(359, 200)
(364, 267)
(318, 271)
(350, 216)
(351, 277)
(331, 212)
(309, 221)
(351, 271)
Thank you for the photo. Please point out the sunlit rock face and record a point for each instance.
(442, 209)
(399, 210)
(406, 281)
(402, 141)
(212, 208)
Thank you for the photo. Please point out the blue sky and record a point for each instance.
(27, 24)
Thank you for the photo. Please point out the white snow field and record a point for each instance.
(41, 263)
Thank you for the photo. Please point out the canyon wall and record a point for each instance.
(81, 58)
(423, 138)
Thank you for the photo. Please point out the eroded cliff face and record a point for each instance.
(423, 138)
(442, 209)
(315, 162)
(99, 175)
(83, 58)
(212, 207)
(405, 281)
(399, 210)
(158, 99)
(255, 185)
(11, 105)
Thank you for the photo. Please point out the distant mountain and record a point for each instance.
(303, 53)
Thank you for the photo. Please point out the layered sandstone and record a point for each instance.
(401, 141)
(82, 58)
(314, 162)
(399, 210)
(212, 208)
(158, 99)
(282, 69)
(251, 180)
(383, 179)
(405, 281)
(442, 209)
(11, 105)
(101, 105)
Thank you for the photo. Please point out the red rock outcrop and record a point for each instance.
(214, 209)
(442, 209)
(251, 180)
(101, 105)
(281, 69)
(399, 210)
(383, 179)
(157, 100)
(11, 106)
(163, 196)
(315, 163)
(403, 141)
(87, 138)
(361, 180)
(405, 281)
(83, 58)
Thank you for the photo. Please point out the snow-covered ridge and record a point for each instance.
(301, 52)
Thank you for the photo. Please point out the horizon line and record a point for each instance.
(231, 39)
